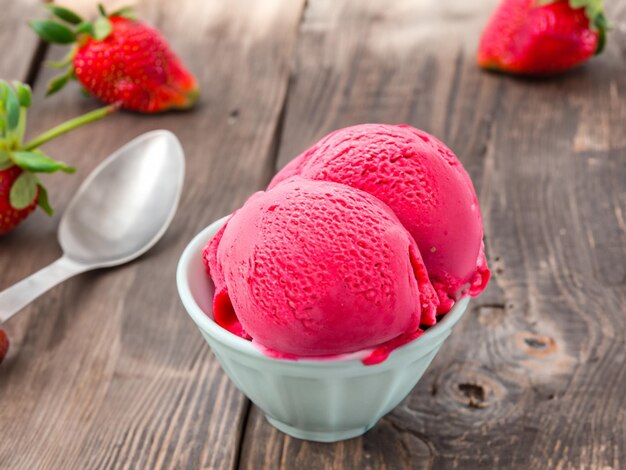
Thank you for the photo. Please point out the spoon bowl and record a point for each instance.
(125, 205)
(119, 212)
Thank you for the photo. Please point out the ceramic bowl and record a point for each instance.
(318, 400)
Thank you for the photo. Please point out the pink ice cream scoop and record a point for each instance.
(315, 268)
(426, 186)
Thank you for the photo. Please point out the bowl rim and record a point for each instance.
(208, 326)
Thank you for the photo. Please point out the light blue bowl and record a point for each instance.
(315, 400)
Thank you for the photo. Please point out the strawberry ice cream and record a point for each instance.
(316, 268)
(426, 186)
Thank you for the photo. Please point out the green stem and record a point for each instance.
(69, 125)
(21, 126)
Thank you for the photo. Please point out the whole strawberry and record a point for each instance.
(119, 59)
(542, 37)
(20, 188)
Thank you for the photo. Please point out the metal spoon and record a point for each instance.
(120, 211)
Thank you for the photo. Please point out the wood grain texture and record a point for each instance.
(19, 43)
(533, 376)
(107, 370)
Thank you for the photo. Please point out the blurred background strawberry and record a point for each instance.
(535, 37)
(119, 59)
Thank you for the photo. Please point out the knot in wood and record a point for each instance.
(536, 345)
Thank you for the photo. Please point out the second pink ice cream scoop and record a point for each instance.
(426, 186)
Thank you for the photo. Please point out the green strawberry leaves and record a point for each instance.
(602, 25)
(42, 200)
(24, 94)
(5, 160)
(102, 27)
(36, 161)
(12, 107)
(65, 14)
(59, 82)
(24, 190)
(86, 27)
(53, 32)
(592, 7)
(13, 103)
(58, 33)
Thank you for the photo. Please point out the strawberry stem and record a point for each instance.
(21, 125)
(69, 125)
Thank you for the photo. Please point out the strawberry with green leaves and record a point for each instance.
(117, 58)
(21, 191)
(542, 37)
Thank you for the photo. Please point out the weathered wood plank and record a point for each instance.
(17, 41)
(106, 370)
(534, 375)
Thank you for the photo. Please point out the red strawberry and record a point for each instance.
(119, 59)
(10, 216)
(541, 37)
(4, 345)
(20, 188)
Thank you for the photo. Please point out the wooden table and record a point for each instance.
(107, 370)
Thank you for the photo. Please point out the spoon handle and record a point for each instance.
(19, 295)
